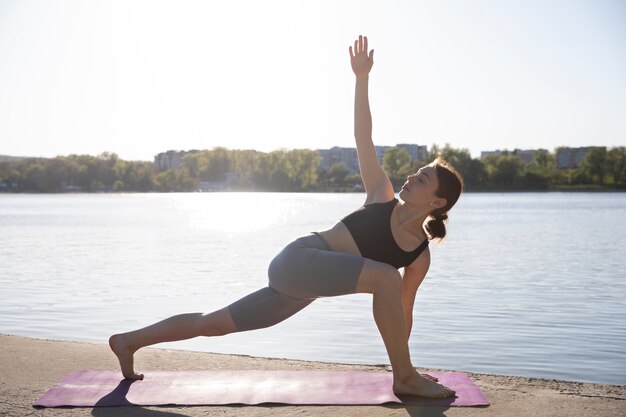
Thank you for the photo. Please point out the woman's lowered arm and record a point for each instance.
(412, 278)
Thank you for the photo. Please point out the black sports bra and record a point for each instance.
(371, 230)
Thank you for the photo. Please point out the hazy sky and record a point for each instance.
(142, 77)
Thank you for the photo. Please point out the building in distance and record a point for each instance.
(171, 159)
(416, 152)
(348, 156)
(572, 157)
(338, 155)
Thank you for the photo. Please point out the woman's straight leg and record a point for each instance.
(262, 308)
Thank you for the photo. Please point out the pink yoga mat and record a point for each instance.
(107, 388)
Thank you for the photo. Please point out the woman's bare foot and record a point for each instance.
(421, 386)
(124, 354)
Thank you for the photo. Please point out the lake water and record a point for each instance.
(529, 284)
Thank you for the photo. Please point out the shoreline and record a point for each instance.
(331, 362)
(31, 366)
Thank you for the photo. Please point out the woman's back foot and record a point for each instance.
(420, 386)
(125, 356)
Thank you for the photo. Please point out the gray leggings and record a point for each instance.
(303, 271)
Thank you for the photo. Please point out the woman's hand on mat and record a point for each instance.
(360, 61)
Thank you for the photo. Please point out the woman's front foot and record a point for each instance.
(124, 354)
(417, 385)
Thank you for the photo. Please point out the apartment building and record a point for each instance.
(572, 157)
(349, 158)
(170, 159)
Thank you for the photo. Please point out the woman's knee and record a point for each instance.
(217, 323)
(378, 277)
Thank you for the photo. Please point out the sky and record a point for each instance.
(142, 77)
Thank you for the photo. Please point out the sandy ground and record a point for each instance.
(29, 367)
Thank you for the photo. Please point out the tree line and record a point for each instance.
(297, 170)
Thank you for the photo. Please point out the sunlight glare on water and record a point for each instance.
(249, 212)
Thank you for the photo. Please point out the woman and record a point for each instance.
(359, 254)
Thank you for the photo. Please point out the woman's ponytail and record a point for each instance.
(435, 226)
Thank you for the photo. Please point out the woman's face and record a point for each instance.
(420, 188)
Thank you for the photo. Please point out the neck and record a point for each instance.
(410, 215)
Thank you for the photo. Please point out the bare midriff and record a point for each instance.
(339, 239)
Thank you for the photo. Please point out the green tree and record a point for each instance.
(579, 176)
(191, 162)
(218, 164)
(141, 177)
(534, 181)
(170, 180)
(594, 164)
(540, 172)
(544, 162)
(472, 170)
(105, 169)
(301, 166)
(354, 179)
(10, 173)
(337, 175)
(245, 162)
(504, 170)
(38, 179)
(280, 181)
(397, 165)
(306, 170)
(118, 185)
(616, 164)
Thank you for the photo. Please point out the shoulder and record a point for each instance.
(415, 273)
(381, 200)
(422, 262)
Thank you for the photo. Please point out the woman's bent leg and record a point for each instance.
(262, 308)
(385, 283)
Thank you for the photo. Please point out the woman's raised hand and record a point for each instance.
(361, 62)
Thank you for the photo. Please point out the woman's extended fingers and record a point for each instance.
(360, 45)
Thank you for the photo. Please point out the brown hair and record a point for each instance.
(450, 188)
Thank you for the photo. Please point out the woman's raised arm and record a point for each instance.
(377, 185)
